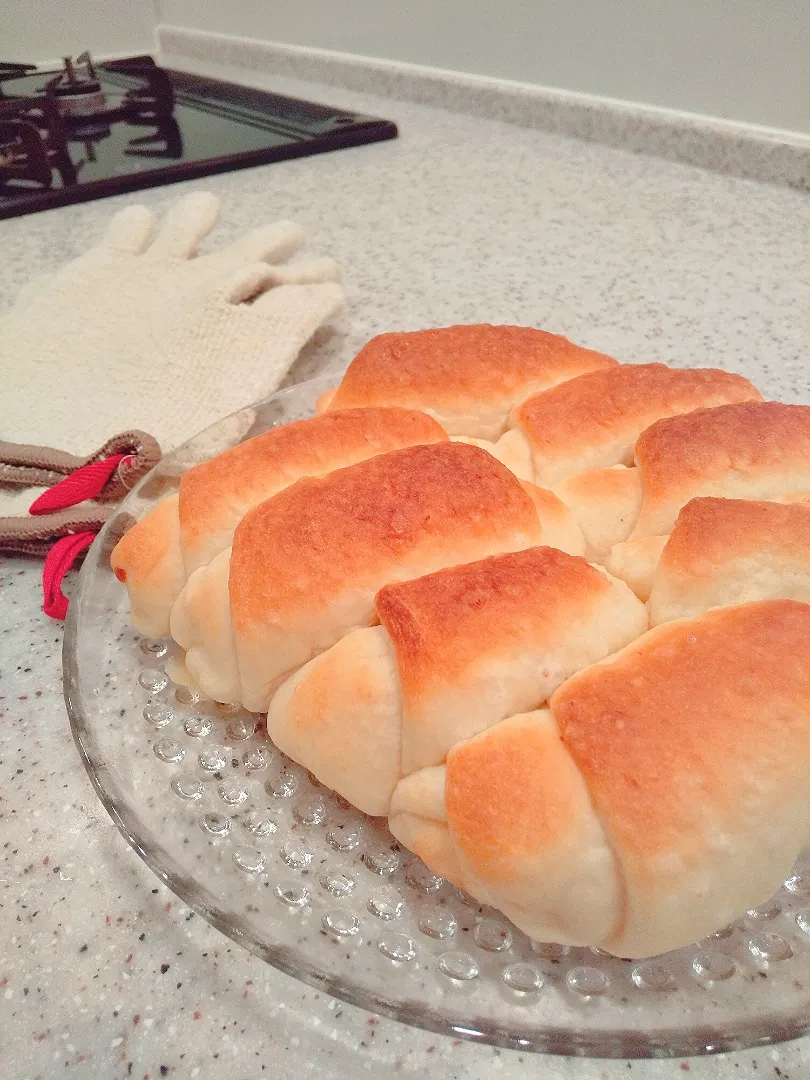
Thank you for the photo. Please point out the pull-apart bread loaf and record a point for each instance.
(616, 755)
(751, 451)
(306, 565)
(664, 791)
(467, 377)
(456, 651)
(186, 531)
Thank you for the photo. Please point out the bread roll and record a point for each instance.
(457, 651)
(467, 377)
(728, 551)
(665, 791)
(753, 450)
(540, 856)
(158, 554)
(748, 450)
(593, 421)
(339, 717)
(305, 566)
(694, 753)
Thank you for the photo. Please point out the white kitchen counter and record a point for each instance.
(103, 973)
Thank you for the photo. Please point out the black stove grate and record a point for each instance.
(96, 130)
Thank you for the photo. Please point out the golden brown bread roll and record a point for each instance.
(695, 758)
(745, 450)
(509, 820)
(593, 421)
(305, 565)
(158, 554)
(751, 450)
(664, 792)
(729, 551)
(457, 651)
(467, 377)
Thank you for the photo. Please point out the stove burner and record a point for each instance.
(77, 93)
(73, 108)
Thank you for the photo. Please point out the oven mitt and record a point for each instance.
(142, 333)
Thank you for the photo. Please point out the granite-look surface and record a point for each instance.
(102, 972)
(750, 151)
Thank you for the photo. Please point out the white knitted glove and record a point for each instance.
(141, 333)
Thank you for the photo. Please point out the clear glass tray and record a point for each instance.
(289, 870)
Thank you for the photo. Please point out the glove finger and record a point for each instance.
(129, 230)
(246, 283)
(268, 243)
(298, 310)
(306, 273)
(187, 222)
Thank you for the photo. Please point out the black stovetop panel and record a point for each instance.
(192, 126)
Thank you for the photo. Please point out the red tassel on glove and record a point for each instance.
(58, 561)
(84, 483)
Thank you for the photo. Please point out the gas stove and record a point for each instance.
(93, 130)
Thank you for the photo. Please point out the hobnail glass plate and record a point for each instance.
(290, 871)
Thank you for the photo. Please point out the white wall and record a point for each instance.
(741, 59)
(42, 30)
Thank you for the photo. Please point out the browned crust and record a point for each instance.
(712, 532)
(444, 623)
(320, 537)
(601, 405)
(693, 702)
(458, 365)
(508, 799)
(147, 560)
(258, 468)
(683, 452)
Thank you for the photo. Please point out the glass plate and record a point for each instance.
(289, 870)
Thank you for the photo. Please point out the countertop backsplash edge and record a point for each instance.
(746, 151)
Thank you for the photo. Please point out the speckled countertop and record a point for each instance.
(102, 972)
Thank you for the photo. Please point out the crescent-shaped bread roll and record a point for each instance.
(457, 651)
(751, 450)
(665, 791)
(306, 565)
(339, 717)
(745, 450)
(509, 819)
(542, 858)
(467, 377)
(158, 554)
(694, 753)
(593, 421)
(480, 642)
(729, 551)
